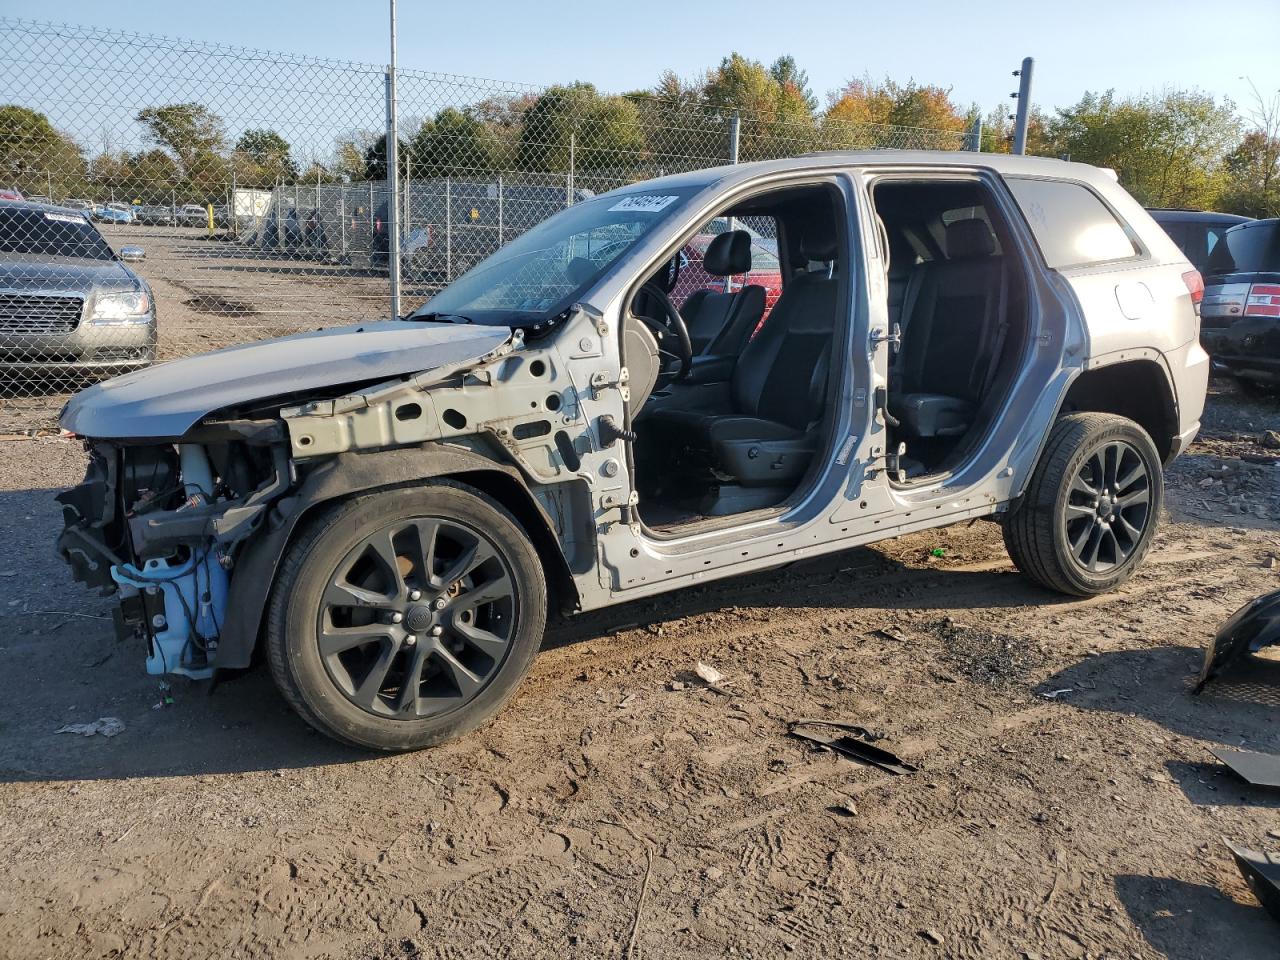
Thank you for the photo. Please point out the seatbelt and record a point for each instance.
(1002, 330)
(909, 299)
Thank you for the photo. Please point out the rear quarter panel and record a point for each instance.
(1140, 308)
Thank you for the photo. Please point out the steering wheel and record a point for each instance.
(675, 351)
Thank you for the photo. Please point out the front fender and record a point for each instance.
(341, 476)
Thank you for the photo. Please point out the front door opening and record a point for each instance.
(761, 288)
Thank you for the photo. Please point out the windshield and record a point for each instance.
(51, 234)
(543, 271)
(1248, 248)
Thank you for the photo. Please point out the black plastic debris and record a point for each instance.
(857, 746)
(1262, 874)
(1248, 630)
(1259, 769)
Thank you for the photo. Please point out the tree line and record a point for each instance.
(1177, 148)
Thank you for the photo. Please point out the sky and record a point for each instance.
(970, 47)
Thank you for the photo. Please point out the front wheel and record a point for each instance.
(1089, 513)
(406, 617)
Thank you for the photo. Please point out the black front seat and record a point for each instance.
(719, 323)
(950, 317)
(778, 389)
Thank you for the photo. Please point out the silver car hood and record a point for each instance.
(168, 399)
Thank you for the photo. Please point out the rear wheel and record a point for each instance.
(406, 617)
(1089, 513)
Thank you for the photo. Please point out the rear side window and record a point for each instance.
(1249, 248)
(1073, 227)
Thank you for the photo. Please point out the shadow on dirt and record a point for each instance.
(1190, 921)
(1122, 681)
(1213, 784)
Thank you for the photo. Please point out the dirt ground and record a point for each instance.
(1066, 806)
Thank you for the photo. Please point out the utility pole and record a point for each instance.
(1023, 96)
(393, 176)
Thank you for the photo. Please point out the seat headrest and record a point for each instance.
(729, 253)
(968, 239)
(818, 243)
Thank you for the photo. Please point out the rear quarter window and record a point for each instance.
(1071, 224)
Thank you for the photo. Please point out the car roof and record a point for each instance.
(1250, 224)
(1002, 163)
(1180, 215)
(45, 207)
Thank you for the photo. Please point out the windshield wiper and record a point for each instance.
(445, 317)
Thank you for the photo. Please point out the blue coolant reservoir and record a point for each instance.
(195, 600)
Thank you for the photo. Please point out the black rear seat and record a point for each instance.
(951, 315)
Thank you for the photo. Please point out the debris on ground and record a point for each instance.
(1262, 873)
(1259, 769)
(709, 675)
(1251, 628)
(107, 726)
(984, 656)
(857, 746)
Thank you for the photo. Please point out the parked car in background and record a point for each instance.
(389, 509)
(39, 198)
(154, 215)
(68, 303)
(192, 215)
(1196, 232)
(1240, 313)
(78, 203)
(113, 213)
(10, 193)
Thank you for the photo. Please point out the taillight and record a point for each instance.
(1195, 287)
(1263, 300)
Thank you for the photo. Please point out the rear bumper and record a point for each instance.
(1189, 368)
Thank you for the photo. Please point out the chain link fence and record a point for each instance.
(182, 196)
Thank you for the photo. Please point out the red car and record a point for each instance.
(765, 271)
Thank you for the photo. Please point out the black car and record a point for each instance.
(1240, 313)
(68, 302)
(1196, 232)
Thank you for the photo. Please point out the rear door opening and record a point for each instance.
(957, 302)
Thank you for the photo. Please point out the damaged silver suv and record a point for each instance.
(387, 511)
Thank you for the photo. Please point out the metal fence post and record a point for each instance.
(342, 219)
(568, 183)
(448, 228)
(1024, 105)
(408, 193)
(974, 137)
(735, 133)
(393, 175)
(499, 209)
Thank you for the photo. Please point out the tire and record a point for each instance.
(1066, 537)
(467, 633)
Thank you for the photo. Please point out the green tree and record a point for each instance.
(456, 143)
(189, 130)
(791, 78)
(1169, 149)
(864, 113)
(605, 131)
(1253, 167)
(375, 158)
(35, 157)
(776, 119)
(152, 176)
(268, 157)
